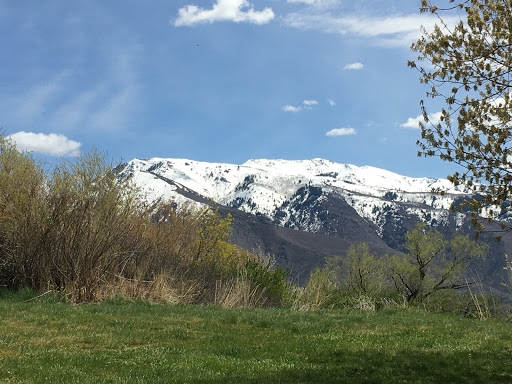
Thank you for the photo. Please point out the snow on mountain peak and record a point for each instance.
(263, 186)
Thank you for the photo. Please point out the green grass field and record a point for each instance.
(47, 341)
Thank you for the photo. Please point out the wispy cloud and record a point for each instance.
(62, 104)
(223, 10)
(52, 144)
(354, 66)
(76, 112)
(29, 106)
(413, 122)
(332, 103)
(306, 104)
(341, 132)
(113, 115)
(385, 31)
(316, 3)
(291, 108)
(117, 99)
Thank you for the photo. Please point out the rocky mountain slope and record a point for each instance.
(303, 211)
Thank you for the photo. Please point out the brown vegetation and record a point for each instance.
(81, 231)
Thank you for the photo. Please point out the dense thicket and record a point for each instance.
(81, 231)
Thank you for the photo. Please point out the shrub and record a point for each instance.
(93, 229)
(270, 281)
(82, 231)
(22, 216)
(321, 291)
(239, 292)
(360, 273)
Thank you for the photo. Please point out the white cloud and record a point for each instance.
(52, 144)
(310, 102)
(341, 132)
(354, 66)
(291, 108)
(413, 122)
(384, 31)
(332, 103)
(223, 10)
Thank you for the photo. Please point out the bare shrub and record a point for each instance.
(364, 303)
(22, 214)
(94, 226)
(390, 303)
(165, 289)
(239, 292)
(85, 233)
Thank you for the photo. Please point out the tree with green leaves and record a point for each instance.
(431, 263)
(467, 65)
(363, 270)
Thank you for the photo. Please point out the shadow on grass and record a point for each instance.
(403, 367)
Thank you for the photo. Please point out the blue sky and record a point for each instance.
(215, 80)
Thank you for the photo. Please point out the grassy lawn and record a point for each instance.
(45, 341)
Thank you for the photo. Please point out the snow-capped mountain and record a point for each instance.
(303, 211)
(275, 188)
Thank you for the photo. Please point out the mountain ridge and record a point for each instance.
(322, 201)
(262, 186)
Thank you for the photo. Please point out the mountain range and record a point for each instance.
(304, 211)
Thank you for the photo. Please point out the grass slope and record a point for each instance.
(45, 341)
